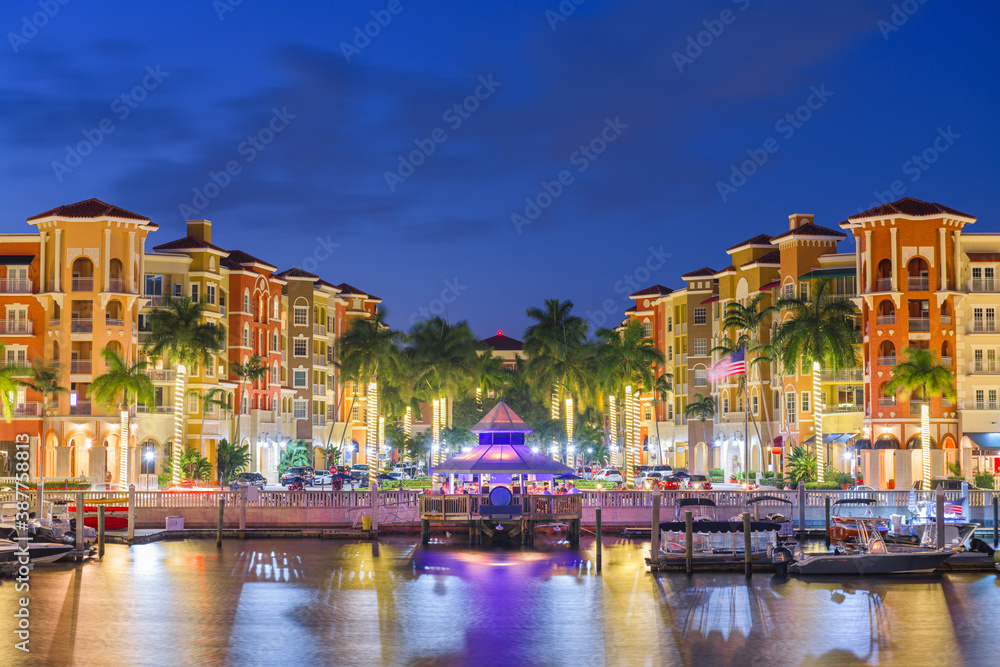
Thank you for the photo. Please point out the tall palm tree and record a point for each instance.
(560, 364)
(627, 362)
(921, 373)
(820, 333)
(752, 321)
(180, 336)
(122, 386)
(44, 379)
(369, 349)
(11, 377)
(492, 377)
(211, 399)
(250, 370)
(231, 459)
(702, 408)
(661, 394)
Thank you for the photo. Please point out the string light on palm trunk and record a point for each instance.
(123, 448)
(925, 440)
(371, 437)
(178, 424)
(612, 423)
(818, 425)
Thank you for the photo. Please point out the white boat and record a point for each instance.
(38, 552)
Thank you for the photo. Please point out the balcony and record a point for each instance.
(915, 407)
(17, 327)
(319, 360)
(984, 368)
(985, 405)
(119, 285)
(886, 401)
(883, 284)
(319, 329)
(155, 299)
(161, 374)
(946, 320)
(81, 325)
(83, 284)
(983, 285)
(846, 375)
(840, 409)
(918, 283)
(947, 361)
(27, 410)
(887, 361)
(81, 366)
(17, 286)
(81, 408)
(978, 326)
(319, 390)
(154, 409)
(885, 319)
(920, 323)
(113, 322)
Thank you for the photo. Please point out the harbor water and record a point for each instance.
(304, 601)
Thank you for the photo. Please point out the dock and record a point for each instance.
(521, 519)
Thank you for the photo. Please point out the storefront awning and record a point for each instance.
(985, 440)
(15, 260)
(832, 272)
(863, 443)
(828, 438)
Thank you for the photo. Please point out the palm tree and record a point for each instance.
(626, 364)
(560, 365)
(820, 333)
(209, 400)
(231, 459)
(11, 377)
(367, 350)
(250, 370)
(180, 336)
(661, 394)
(702, 408)
(921, 373)
(492, 377)
(122, 385)
(44, 379)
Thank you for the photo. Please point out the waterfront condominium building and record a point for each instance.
(86, 279)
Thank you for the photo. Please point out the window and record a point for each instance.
(194, 291)
(17, 319)
(210, 294)
(301, 409)
(790, 407)
(725, 405)
(274, 340)
(670, 352)
(753, 404)
(980, 404)
(210, 368)
(192, 404)
(805, 401)
(789, 290)
(178, 289)
(700, 346)
(647, 412)
(300, 347)
(701, 377)
(991, 361)
(993, 400)
(670, 411)
(246, 335)
(647, 329)
(17, 357)
(356, 413)
(299, 378)
(154, 285)
(741, 404)
(301, 316)
(246, 301)
(274, 309)
(699, 316)
(804, 291)
(991, 319)
(670, 324)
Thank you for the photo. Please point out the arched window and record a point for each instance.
(917, 274)
(246, 301)
(246, 335)
(114, 316)
(883, 276)
(886, 312)
(83, 275)
(946, 354)
(886, 353)
(916, 443)
(117, 276)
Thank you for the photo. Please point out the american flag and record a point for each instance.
(734, 364)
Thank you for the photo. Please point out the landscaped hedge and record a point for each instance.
(822, 486)
(62, 484)
(983, 480)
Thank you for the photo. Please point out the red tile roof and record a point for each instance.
(760, 239)
(237, 259)
(188, 243)
(811, 229)
(655, 290)
(297, 273)
(725, 270)
(909, 206)
(91, 208)
(703, 272)
(503, 343)
(773, 257)
(352, 290)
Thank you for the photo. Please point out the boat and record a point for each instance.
(696, 505)
(718, 544)
(38, 552)
(868, 554)
(844, 516)
(923, 520)
(786, 533)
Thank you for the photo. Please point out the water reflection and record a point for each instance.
(398, 603)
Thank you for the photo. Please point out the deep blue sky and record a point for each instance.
(655, 185)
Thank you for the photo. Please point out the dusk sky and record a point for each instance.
(312, 119)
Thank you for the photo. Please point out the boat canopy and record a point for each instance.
(689, 502)
(720, 526)
(757, 499)
(855, 501)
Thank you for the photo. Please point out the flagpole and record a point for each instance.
(746, 434)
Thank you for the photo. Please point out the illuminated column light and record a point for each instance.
(569, 425)
(178, 423)
(817, 425)
(479, 398)
(435, 430)
(371, 437)
(407, 428)
(925, 439)
(554, 410)
(627, 453)
(612, 425)
(123, 449)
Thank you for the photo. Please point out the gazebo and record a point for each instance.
(501, 452)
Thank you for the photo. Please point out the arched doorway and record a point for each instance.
(755, 457)
(112, 461)
(79, 455)
(914, 442)
(699, 459)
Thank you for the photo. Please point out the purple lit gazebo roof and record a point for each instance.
(501, 419)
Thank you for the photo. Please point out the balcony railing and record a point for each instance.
(915, 407)
(920, 324)
(983, 285)
(947, 361)
(985, 405)
(946, 320)
(847, 407)
(17, 327)
(887, 361)
(17, 286)
(885, 319)
(111, 322)
(81, 408)
(319, 329)
(918, 283)
(81, 325)
(27, 409)
(222, 310)
(319, 360)
(319, 420)
(154, 409)
(155, 299)
(319, 390)
(161, 374)
(118, 285)
(846, 375)
(979, 326)
(886, 401)
(883, 284)
(983, 368)
(81, 366)
(83, 284)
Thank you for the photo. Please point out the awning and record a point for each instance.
(845, 437)
(711, 300)
(832, 272)
(886, 441)
(985, 440)
(828, 438)
(770, 285)
(863, 443)
(16, 260)
(982, 257)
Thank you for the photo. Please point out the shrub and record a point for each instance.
(801, 465)
(778, 484)
(716, 472)
(843, 478)
(983, 480)
(822, 486)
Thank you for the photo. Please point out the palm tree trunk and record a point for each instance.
(239, 412)
(123, 445)
(179, 385)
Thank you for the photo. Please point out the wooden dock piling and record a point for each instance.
(597, 519)
(222, 517)
(100, 532)
(747, 546)
(689, 541)
(827, 515)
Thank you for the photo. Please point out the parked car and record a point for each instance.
(110, 486)
(948, 484)
(698, 483)
(648, 479)
(584, 471)
(251, 479)
(305, 472)
(860, 487)
(359, 472)
(409, 470)
(322, 478)
(397, 475)
(610, 475)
